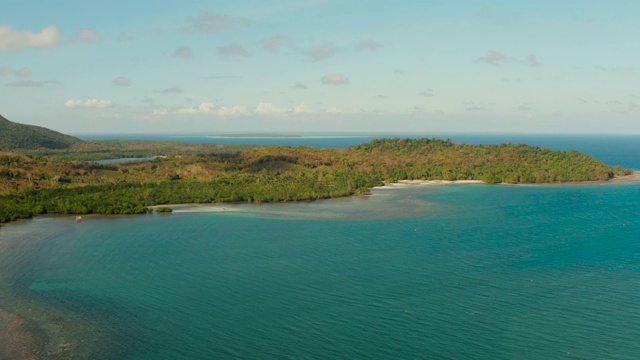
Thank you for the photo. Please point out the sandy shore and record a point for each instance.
(401, 183)
(634, 176)
(206, 207)
(440, 182)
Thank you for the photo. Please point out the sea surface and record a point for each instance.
(466, 271)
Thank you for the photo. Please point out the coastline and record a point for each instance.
(401, 183)
(230, 207)
(56, 338)
(633, 175)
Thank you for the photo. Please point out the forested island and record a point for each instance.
(51, 182)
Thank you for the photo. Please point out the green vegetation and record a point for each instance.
(31, 184)
(38, 141)
(18, 136)
(96, 150)
(163, 209)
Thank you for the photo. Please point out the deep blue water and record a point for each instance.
(411, 272)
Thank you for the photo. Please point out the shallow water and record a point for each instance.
(424, 271)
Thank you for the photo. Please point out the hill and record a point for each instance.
(14, 136)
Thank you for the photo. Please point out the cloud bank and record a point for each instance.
(334, 79)
(88, 103)
(212, 23)
(263, 108)
(183, 52)
(121, 81)
(31, 83)
(15, 40)
(233, 50)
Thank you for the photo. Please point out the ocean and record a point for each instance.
(465, 271)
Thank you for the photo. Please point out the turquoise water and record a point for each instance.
(447, 271)
(412, 272)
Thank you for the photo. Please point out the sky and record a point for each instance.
(427, 66)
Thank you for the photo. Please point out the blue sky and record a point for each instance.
(321, 65)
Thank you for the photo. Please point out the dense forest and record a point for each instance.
(20, 136)
(37, 184)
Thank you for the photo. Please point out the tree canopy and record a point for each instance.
(31, 185)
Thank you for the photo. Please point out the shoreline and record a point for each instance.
(401, 183)
(222, 207)
(58, 335)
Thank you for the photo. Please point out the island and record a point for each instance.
(258, 135)
(39, 180)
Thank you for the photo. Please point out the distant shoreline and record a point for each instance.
(258, 135)
(400, 183)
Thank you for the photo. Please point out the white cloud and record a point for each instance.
(368, 45)
(86, 36)
(13, 40)
(213, 109)
(494, 58)
(274, 44)
(613, 69)
(268, 108)
(124, 37)
(88, 103)
(212, 23)
(233, 110)
(173, 90)
(532, 61)
(334, 79)
(203, 108)
(263, 108)
(321, 52)
(301, 108)
(24, 73)
(121, 81)
(183, 52)
(31, 83)
(4, 71)
(233, 50)
(160, 112)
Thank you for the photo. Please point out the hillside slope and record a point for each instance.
(14, 136)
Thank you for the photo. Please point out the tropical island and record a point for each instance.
(258, 135)
(45, 172)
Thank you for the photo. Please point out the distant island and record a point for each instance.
(258, 135)
(66, 181)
